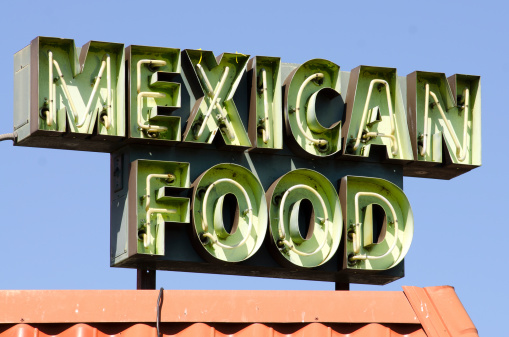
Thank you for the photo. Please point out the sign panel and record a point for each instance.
(256, 214)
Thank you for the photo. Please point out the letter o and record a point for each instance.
(210, 192)
(284, 201)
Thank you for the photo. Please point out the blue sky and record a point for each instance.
(54, 204)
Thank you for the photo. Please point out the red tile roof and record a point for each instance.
(415, 312)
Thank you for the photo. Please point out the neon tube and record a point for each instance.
(104, 64)
(205, 225)
(147, 238)
(54, 94)
(147, 185)
(155, 63)
(49, 114)
(282, 233)
(149, 127)
(265, 130)
(214, 102)
(461, 152)
(356, 238)
(424, 148)
(447, 123)
(66, 91)
(317, 142)
(223, 118)
(107, 123)
(366, 106)
(94, 90)
(466, 94)
(205, 79)
(376, 134)
(210, 93)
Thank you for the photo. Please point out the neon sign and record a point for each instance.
(250, 166)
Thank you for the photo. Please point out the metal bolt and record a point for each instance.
(170, 179)
(276, 200)
(351, 262)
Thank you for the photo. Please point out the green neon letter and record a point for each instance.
(314, 108)
(154, 93)
(265, 112)
(287, 196)
(376, 114)
(214, 107)
(154, 204)
(445, 110)
(229, 187)
(379, 223)
(87, 89)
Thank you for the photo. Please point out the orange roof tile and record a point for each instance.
(416, 312)
(440, 310)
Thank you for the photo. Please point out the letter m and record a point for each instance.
(75, 92)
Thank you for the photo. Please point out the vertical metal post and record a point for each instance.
(146, 279)
(341, 286)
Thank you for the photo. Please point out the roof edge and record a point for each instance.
(440, 311)
(216, 306)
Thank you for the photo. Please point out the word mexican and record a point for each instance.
(108, 94)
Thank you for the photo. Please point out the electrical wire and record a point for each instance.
(159, 307)
(9, 136)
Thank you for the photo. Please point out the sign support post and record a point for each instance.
(146, 279)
